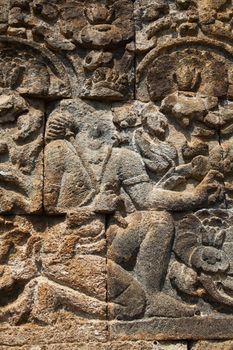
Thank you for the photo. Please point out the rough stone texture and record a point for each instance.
(141, 345)
(116, 174)
(21, 168)
(212, 345)
(97, 36)
(48, 271)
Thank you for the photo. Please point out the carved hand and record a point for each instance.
(211, 188)
(106, 202)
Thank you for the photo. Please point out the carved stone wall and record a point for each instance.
(116, 174)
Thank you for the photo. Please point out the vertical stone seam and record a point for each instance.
(222, 159)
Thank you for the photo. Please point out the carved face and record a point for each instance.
(98, 135)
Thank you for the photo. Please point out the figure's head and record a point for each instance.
(60, 126)
(101, 132)
(90, 131)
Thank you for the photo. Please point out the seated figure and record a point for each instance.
(83, 162)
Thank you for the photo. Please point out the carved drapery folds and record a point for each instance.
(116, 169)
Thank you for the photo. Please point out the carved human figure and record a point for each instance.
(149, 233)
(94, 173)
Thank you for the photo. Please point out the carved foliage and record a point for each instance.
(204, 260)
(97, 34)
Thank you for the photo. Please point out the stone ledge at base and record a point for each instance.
(136, 332)
(213, 345)
(70, 332)
(195, 328)
(140, 345)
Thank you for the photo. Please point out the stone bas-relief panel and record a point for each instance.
(129, 182)
(128, 163)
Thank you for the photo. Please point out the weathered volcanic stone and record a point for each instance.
(141, 345)
(116, 123)
(212, 345)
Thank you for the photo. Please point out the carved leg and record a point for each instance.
(126, 297)
(144, 247)
(19, 310)
(52, 296)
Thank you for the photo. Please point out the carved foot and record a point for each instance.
(160, 304)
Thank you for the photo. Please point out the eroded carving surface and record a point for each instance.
(116, 158)
(97, 37)
(52, 270)
(26, 82)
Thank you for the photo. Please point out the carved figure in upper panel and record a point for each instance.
(96, 36)
(82, 140)
(192, 88)
(21, 126)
